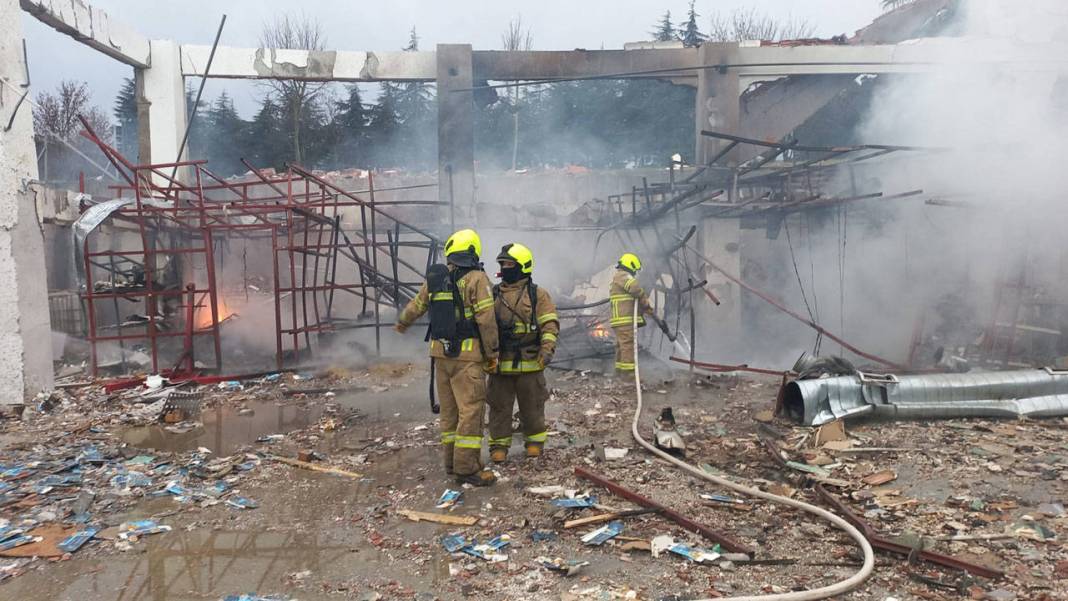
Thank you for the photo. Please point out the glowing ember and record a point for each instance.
(599, 331)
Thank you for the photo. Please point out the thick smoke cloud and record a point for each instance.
(997, 123)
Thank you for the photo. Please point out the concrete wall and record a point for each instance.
(26, 365)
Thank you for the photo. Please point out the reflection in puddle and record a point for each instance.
(204, 565)
(224, 431)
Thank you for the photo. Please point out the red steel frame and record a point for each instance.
(298, 211)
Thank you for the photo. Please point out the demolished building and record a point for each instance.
(166, 276)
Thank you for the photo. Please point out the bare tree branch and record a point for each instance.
(294, 96)
(516, 38)
(750, 24)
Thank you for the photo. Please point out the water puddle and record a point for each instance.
(224, 430)
(210, 564)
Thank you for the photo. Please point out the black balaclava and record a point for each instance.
(512, 274)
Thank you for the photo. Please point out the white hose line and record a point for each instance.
(820, 593)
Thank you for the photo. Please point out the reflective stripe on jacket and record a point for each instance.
(477, 295)
(513, 306)
(624, 291)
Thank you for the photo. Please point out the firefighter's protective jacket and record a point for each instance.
(623, 293)
(476, 294)
(529, 336)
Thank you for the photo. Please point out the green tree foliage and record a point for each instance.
(199, 130)
(266, 137)
(689, 32)
(665, 29)
(416, 134)
(383, 125)
(297, 99)
(223, 147)
(350, 130)
(125, 112)
(600, 124)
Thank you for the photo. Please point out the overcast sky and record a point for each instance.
(356, 25)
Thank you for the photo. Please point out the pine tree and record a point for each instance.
(382, 127)
(665, 29)
(415, 140)
(266, 137)
(691, 35)
(125, 111)
(350, 124)
(223, 149)
(413, 41)
(199, 131)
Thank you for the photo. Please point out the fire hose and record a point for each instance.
(825, 592)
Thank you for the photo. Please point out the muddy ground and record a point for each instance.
(999, 487)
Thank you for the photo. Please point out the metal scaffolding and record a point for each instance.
(324, 240)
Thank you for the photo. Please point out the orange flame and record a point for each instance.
(599, 331)
(202, 317)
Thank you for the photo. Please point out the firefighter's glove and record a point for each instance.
(490, 366)
(544, 360)
(400, 328)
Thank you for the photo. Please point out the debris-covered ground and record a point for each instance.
(317, 486)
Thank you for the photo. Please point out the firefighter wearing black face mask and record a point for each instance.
(527, 326)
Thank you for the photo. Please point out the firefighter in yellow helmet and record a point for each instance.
(527, 325)
(463, 343)
(624, 292)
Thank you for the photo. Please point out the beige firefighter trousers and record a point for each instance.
(624, 348)
(461, 387)
(531, 392)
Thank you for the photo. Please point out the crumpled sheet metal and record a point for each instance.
(1022, 393)
(94, 216)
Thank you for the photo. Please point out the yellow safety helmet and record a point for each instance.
(464, 241)
(518, 253)
(630, 262)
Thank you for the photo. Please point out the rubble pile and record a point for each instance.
(988, 493)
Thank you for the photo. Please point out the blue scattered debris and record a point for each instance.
(75, 541)
(604, 533)
(576, 502)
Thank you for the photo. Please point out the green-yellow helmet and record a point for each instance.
(518, 253)
(630, 262)
(464, 241)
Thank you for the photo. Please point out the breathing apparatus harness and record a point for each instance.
(449, 322)
(509, 340)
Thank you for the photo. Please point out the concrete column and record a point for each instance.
(456, 132)
(25, 330)
(161, 110)
(718, 98)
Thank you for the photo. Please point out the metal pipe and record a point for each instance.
(200, 92)
(722, 539)
(884, 544)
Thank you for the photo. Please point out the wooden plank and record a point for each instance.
(607, 517)
(313, 467)
(439, 518)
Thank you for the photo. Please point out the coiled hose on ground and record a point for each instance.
(838, 588)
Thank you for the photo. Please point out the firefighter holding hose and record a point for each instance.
(624, 292)
(528, 326)
(463, 344)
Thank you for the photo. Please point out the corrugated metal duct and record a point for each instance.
(1023, 393)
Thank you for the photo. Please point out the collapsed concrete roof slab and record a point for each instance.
(94, 28)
